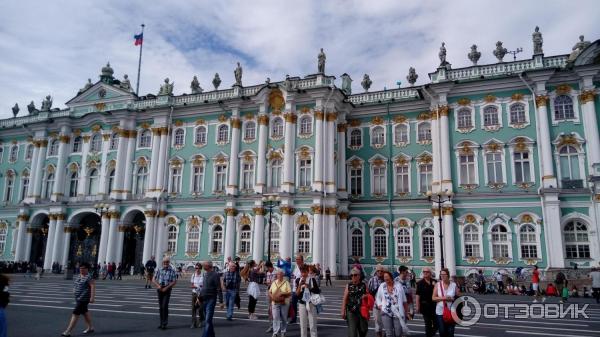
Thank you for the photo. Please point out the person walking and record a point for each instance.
(150, 266)
(120, 271)
(328, 277)
(279, 296)
(373, 287)
(595, 276)
(295, 275)
(444, 294)
(424, 302)
(197, 284)
(354, 293)
(269, 278)
(535, 283)
(4, 299)
(164, 281)
(85, 293)
(211, 290)
(562, 286)
(404, 280)
(253, 290)
(391, 301)
(231, 282)
(305, 287)
(500, 281)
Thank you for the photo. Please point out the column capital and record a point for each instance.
(444, 110)
(319, 115)
(316, 209)
(447, 210)
(230, 211)
(259, 210)
(86, 138)
(342, 127)
(155, 131)
(290, 117)
(164, 131)
(23, 217)
(114, 214)
(263, 119)
(61, 216)
(64, 139)
(106, 136)
(287, 210)
(151, 213)
(587, 96)
(162, 213)
(69, 229)
(331, 116)
(52, 217)
(541, 100)
(344, 215)
(435, 211)
(331, 210)
(122, 228)
(236, 123)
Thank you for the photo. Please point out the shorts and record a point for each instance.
(81, 307)
(149, 276)
(536, 286)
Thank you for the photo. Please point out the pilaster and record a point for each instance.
(319, 167)
(317, 255)
(261, 169)
(330, 163)
(232, 179)
(148, 234)
(259, 232)
(59, 181)
(288, 184)
(49, 242)
(230, 231)
(341, 166)
(126, 190)
(58, 238)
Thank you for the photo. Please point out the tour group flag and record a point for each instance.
(139, 39)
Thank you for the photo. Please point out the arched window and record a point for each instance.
(427, 243)
(577, 243)
(304, 239)
(377, 136)
(563, 108)
(471, 241)
(379, 243)
(111, 180)
(355, 138)
(276, 128)
(305, 125)
(29, 152)
(401, 133)
(356, 242)
(93, 182)
(114, 141)
(24, 185)
(96, 143)
(528, 239)
(274, 239)
(245, 239)
(172, 240)
(463, 117)
(200, 137)
(216, 246)
(53, 149)
(179, 137)
(145, 138)
(500, 245)
(141, 181)
(49, 185)
(10, 185)
(424, 132)
(490, 116)
(305, 172)
(569, 163)
(250, 131)
(14, 154)
(193, 239)
(275, 174)
(403, 245)
(77, 144)
(3, 232)
(223, 134)
(73, 184)
(175, 183)
(517, 114)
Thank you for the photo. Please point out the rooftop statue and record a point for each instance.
(288, 84)
(321, 62)
(366, 82)
(538, 41)
(47, 103)
(578, 48)
(15, 110)
(442, 54)
(346, 84)
(31, 108)
(238, 74)
(166, 88)
(500, 51)
(412, 76)
(216, 81)
(125, 84)
(86, 86)
(195, 86)
(474, 55)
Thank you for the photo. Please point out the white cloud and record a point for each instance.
(52, 47)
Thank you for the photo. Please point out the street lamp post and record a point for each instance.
(101, 208)
(271, 200)
(440, 201)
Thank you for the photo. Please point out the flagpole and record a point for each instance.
(137, 86)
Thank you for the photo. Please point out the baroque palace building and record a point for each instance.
(511, 149)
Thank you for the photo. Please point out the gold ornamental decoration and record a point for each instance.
(444, 110)
(516, 97)
(331, 116)
(145, 125)
(377, 120)
(287, 210)
(303, 220)
(50, 169)
(447, 211)
(290, 118)
(344, 215)
(178, 123)
(567, 140)
(230, 211)
(378, 223)
(316, 209)
(403, 223)
(73, 167)
(216, 220)
(342, 127)
(236, 123)
(526, 219)
(489, 99)
(465, 149)
(354, 122)
(520, 145)
(378, 162)
(400, 119)
(96, 127)
(356, 163)
(463, 101)
(249, 116)
(470, 218)
(106, 136)
(263, 120)
(541, 100)
(319, 115)
(401, 161)
(425, 159)
(304, 153)
(563, 89)
(424, 116)
(493, 147)
(276, 101)
(304, 110)
(245, 220)
(587, 96)
(222, 118)
(259, 211)
(200, 121)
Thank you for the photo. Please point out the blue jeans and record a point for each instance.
(280, 313)
(295, 306)
(446, 330)
(230, 301)
(209, 311)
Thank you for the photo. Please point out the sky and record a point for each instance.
(53, 47)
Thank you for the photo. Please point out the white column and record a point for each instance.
(285, 237)
(288, 183)
(120, 168)
(104, 234)
(50, 242)
(28, 237)
(111, 245)
(128, 174)
(553, 231)
(230, 234)
(449, 252)
(41, 159)
(103, 168)
(343, 244)
(232, 179)
(119, 245)
(161, 236)
(58, 238)
(82, 185)
(13, 244)
(22, 232)
(59, 180)
(436, 242)
(317, 255)
(33, 173)
(261, 168)
(435, 152)
(590, 125)
(330, 156)
(259, 233)
(341, 165)
(446, 178)
(66, 246)
(149, 232)
(319, 167)
(162, 161)
(332, 244)
(548, 178)
(153, 174)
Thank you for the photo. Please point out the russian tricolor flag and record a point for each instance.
(139, 39)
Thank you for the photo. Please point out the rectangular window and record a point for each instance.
(379, 180)
(275, 182)
(428, 246)
(176, 180)
(522, 172)
(248, 176)
(220, 175)
(529, 251)
(499, 250)
(426, 171)
(402, 181)
(494, 168)
(197, 179)
(472, 250)
(467, 169)
(356, 181)
(305, 173)
(25, 188)
(356, 244)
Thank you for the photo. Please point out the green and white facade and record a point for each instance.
(516, 145)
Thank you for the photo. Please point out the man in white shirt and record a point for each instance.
(500, 281)
(595, 276)
(197, 284)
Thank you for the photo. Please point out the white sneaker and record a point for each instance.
(270, 329)
(535, 301)
(543, 299)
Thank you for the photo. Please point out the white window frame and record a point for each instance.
(249, 138)
(525, 104)
(386, 233)
(421, 240)
(299, 160)
(419, 126)
(537, 234)
(307, 241)
(498, 114)
(349, 175)
(169, 240)
(578, 242)
(3, 237)
(573, 94)
(420, 164)
(48, 188)
(197, 183)
(356, 224)
(198, 129)
(409, 228)
(247, 240)
(110, 179)
(53, 148)
(372, 167)
(13, 153)
(494, 221)
(114, 142)
(580, 154)
(212, 239)
(72, 180)
(372, 137)
(178, 140)
(401, 143)
(224, 173)
(464, 129)
(245, 184)
(270, 177)
(272, 134)
(24, 186)
(96, 138)
(397, 164)
(77, 142)
(9, 186)
(218, 139)
(501, 152)
(305, 133)
(189, 226)
(28, 154)
(459, 165)
(511, 149)
(145, 177)
(477, 221)
(175, 179)
(90, 183)
(145, 136)
(349, 138)
(275, 240)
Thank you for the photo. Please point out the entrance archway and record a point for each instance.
(133, 240)
(39, 238)
(85, 241)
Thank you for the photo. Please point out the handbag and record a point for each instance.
(446, 313)
(317, 299)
